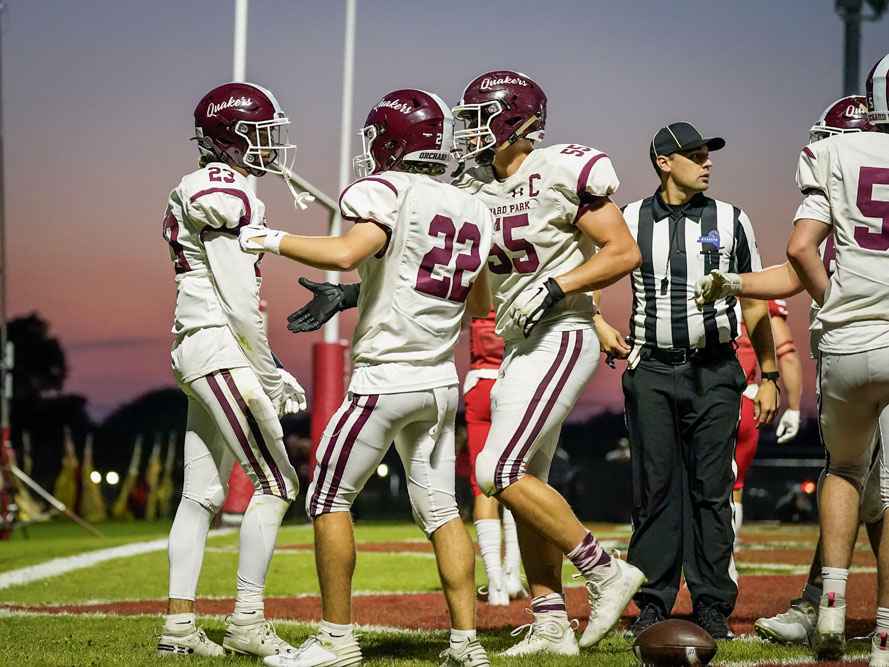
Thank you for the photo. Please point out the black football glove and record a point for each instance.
(329, 299)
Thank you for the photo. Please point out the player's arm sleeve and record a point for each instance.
(588, 181)
(235, 280)
(224, 209)
(371, 200)
(746, 257)
(815, 206)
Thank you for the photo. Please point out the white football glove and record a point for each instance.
(529, 307)
(292, 398)
(271, 241)
(716, 285)
(788, 427)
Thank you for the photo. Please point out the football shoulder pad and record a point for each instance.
(220, 200)
(371, 198)
(581, 170)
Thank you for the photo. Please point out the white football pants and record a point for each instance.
(540, 379)
(421, 423)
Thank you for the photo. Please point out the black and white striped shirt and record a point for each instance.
(679, 245)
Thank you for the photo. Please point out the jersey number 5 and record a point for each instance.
(525, 259)
(868, 177)
(450, 286)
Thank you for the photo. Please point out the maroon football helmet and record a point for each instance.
(405, 126)
(242, 124)
(497, 109)
(847, 114)
(877, 91)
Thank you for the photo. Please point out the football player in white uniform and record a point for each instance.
(222, 361)
(797, 624)
(553, 210)
(419, 247)
(846, 178)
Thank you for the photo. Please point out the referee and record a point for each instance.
(683, 383)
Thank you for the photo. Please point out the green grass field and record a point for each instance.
(105, 613)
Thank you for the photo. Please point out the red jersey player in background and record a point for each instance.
(791, 376)
(485, 355)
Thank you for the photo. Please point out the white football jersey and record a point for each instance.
(217, 321)
(846, 180)
(535, 237)
(413, 292)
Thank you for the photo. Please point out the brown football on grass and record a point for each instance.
(675, 643)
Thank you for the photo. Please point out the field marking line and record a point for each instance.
(58, 566)
(277, 621)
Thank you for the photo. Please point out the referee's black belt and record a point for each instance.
(676, 356)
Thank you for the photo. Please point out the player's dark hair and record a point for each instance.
(428, 168)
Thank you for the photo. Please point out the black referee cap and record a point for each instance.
(681, 136)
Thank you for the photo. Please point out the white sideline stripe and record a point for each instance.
(57, 566)
(790, 568)
(277, 622)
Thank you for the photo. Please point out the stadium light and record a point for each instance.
(852, 14)
(383, 470)
(112, 477)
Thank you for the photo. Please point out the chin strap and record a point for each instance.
(301, 200)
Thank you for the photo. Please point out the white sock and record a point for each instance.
(551, 605)
(512, 557)
(460, 637)
(259, 530)
(188, 538)
(882, 619)
(488, 531)
(835, 580)
(334, 631)
(249, 607)
(179, 624)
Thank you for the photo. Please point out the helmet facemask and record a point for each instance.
(364, 164)
(268, 147)
(476, 135)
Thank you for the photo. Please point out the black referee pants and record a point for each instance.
(683, 422)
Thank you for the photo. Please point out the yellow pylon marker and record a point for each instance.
(120, 510)
(92, 505)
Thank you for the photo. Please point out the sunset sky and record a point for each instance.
(97, 113)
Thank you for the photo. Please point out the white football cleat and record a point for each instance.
(794, 626)
(514, 586)
(194, 643)
(494, 594)
(547, 634)
(829, 640)
(257, 639)
(879, 651)
(610, 591)
(470, 654)
(319, 651)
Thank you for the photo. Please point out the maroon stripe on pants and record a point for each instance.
(325, 460)
(256, 431)
(529, 411)
(548, 408)
(343, 457)
(239, 432)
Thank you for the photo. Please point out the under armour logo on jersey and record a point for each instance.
(518, 192)
(712, 238)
